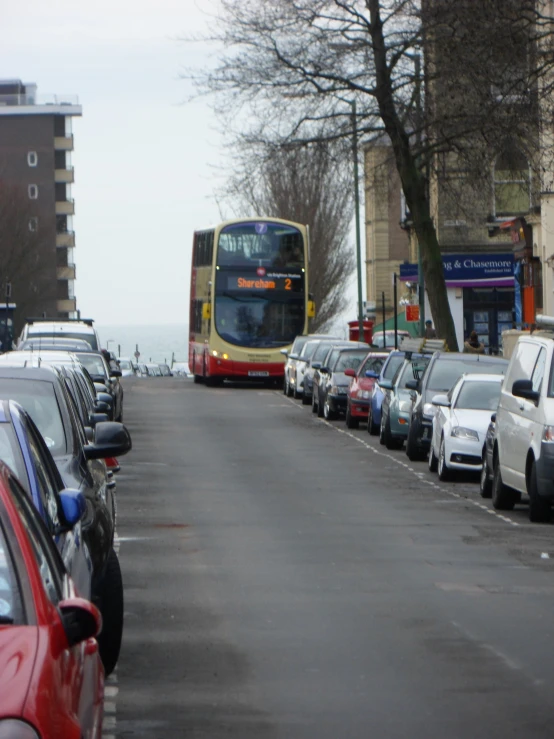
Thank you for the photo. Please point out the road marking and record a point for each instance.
(416, 473)
(545, 555)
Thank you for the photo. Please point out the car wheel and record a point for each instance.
(351, 423)
(415, 454)
(390, 441)
(503, 498)
(319, 406)
(110, 603)
(539, 507)
(295, 394)
(372, 428)
(314, 402)
(442, 469)
(306, 400)
(285, 385)
(433, 461)
(485, 482)
(328, 413)
(382, 430)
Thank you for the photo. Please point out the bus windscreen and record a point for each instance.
(260, 243)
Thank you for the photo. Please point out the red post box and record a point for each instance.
(354, 331)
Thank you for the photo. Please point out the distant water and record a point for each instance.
(156, 343)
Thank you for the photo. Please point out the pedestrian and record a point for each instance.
(473, 345)
(430, 332)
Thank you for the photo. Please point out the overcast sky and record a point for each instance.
(146, 165)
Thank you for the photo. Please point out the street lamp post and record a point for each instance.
(357, 216)
(418, 136)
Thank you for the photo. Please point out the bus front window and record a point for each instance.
(258, 321)
(260, 244)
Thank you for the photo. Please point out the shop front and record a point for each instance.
(480, 289)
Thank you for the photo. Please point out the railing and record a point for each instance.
(35, 99)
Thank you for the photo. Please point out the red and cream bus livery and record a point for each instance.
(249, 298)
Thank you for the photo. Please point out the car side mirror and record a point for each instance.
(524, 389)
(80, 618)
(285, 352)
(111, 439)
(115, 373)
(441, 400)
(324, 370)
(349, 372)
(74, 507)
(412, 385)
(316, 365)
(293, 356)
(372, 373)
(101, 406)
(493, 418)
(95, 418)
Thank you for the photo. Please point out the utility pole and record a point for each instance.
(419, 124)
(357, 215)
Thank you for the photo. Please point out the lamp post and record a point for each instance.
(357, 216)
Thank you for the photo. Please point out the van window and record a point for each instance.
(538, 372)
(523, 362)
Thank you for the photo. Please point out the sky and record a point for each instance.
(147, 162)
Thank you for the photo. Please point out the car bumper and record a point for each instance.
(399, 426)
(338, 403)
(359, 408)
(545, 471)
(424, 433)
(463, 454)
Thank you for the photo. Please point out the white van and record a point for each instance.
(523, 454)
(45, 328)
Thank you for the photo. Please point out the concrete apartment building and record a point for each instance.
(36, 175)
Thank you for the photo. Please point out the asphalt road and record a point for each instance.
(285, 577)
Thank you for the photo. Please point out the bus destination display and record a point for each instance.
(267, 281)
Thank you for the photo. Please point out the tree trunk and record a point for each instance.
(413, 185)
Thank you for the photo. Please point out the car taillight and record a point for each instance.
(112, 464)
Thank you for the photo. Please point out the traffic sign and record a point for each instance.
(412, 313)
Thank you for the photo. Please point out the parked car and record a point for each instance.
(23, 449)
(332, 384)
(397, 403)
(292, 355)
(143, 370)
(523, 454)
(298, 369)
(44, 395)
(46, 328)
(127, 367)
(97, 366)
(164, 369)
(385, 340)
(388, 370)
(181, 369)
(441, 374)
(460, 424)
(53, 681)
(154, 369)
(314, 363)
(361, 387)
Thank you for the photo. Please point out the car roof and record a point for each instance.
(81, 326)
(493, 358)
(36, 358)
(46, 372)
(475, 377)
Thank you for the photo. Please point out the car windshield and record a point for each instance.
(125, 364)
(321, 351)
(309, 349)
(412, 371)
(349, 360)
(373, 364)
(11, 605)
(10, 453)
(392, 365)
(39, 400)
(93, 363)
(388, 340)
(89, 338)
(445, 373)
(479, 396)
(299, 344)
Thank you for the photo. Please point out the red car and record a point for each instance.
(359, 392)
(51, 675)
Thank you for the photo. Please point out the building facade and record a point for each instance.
(36, 177)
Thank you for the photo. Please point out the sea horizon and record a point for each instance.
(156, 342)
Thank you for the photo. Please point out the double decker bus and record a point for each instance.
(248, 298)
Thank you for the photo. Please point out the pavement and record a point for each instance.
(287, 577)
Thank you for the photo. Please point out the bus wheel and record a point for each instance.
(198, 379)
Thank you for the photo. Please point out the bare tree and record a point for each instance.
(297, 63)
(310, 184)
(25, 259)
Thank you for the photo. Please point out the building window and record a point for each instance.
(32, 158)
(33, 192)
(511, 184)
(33, 224)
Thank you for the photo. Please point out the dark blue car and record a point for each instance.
(388, 370)
(23, 449)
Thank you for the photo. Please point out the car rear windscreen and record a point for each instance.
(445, 373)
(89, 338)
(39, 400)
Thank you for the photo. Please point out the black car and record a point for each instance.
(43, 393)
(331, 385)
(442, 372)
(101, 372)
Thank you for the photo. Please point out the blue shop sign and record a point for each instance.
(471, 270)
